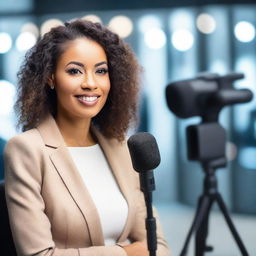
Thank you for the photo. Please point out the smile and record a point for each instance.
(88, 100)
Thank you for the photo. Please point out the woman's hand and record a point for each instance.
(136, 249)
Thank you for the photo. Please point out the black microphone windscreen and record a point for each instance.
(144, 151)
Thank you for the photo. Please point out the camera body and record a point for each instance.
(205, 95)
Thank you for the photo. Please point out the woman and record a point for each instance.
(70, 186)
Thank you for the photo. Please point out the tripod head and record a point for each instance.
(205, 96)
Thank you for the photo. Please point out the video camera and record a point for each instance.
(205, 95)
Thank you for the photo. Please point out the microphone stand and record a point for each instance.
(145, 157)
(147, 185)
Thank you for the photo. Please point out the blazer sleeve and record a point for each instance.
(138, 232)
(31, 228)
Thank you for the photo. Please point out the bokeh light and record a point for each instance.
(6, 42)
(148, 22)
(92, 18)
(155, 38)
(49, 24)
(7, 94)
(121, 25)
(247, 157)
(25, 41)
(30, 27)
(231, 151)
(182, 39)
(206, 23)
(244, 31)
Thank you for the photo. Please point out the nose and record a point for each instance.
(89, 82)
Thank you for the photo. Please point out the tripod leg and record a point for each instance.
(202, 206)
(231, 225)
(202, 232)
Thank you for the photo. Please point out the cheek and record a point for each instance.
(63, 91)
(107, 91)
(66, 87)
(107, 86)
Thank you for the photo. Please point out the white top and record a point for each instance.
(101, 184)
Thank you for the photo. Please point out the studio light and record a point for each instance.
(155, 38)
(49, 24)
(30, 27)
(182, 39)
(244, 31)
(148, 22)
(93, 18)
(121, 25)
(206, 23)
(247, 158)
(7, 93)
(25, 41)
(6, 42)
(231, 151)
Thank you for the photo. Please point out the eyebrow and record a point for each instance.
(82, 65)
(101, 63)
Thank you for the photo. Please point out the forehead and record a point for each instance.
(84, 50)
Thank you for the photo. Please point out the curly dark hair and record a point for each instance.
(36, 100)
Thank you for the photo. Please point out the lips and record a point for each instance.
(88, 100)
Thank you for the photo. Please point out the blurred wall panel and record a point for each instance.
(244, 116)
(153, 57)
(183, 64)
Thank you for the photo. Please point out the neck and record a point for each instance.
(76, 132)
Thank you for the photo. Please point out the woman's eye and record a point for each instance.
(102, 71)
(74, 71)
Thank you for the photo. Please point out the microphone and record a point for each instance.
(144, 151)
(145, 157)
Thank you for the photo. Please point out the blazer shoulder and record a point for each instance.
(27, 139)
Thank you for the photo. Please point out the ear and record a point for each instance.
(50, 80)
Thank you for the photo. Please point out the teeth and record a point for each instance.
(89, 99)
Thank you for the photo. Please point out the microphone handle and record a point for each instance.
(147, 182)
(147, 185)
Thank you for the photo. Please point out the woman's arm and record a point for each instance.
(30, 225)
(136, 249)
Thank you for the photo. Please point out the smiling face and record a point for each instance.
(81, 80)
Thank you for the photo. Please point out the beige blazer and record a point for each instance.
(50, 209)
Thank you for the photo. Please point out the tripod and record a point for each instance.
(205, 96)
(212, 156)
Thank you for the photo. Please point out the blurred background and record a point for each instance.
(173, 40)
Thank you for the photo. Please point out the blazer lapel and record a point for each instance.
(70, 176)
(112, 151)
